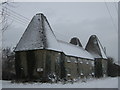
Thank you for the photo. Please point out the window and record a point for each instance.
(68, 72)
(92, 73)
(39, 69)
(68, 61)
(81, 73)
(21, 68)
(87, 62)
(58, 53)
(81, 62)
(75, 61)
(68, 75)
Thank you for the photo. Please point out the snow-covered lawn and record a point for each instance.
(0, 84)
(94, 83)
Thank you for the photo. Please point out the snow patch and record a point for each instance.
(92, 83)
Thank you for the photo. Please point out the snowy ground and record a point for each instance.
(0, 84)
(94, 83)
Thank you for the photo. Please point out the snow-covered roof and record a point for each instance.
(95, 48)
(102, 51)
(51, 41)
(38, 35)
(73, 50)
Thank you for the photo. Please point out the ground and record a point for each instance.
(92, 83)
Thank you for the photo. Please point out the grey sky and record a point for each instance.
(71, 19)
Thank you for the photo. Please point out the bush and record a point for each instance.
(113, 69)
(8, 67)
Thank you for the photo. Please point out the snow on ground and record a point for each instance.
(0, 84)
(94, 83)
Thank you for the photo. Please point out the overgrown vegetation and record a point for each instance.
(113, 69)
(8, 64)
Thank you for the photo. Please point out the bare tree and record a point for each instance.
(4, 15)
(3, 26)
(8, 68)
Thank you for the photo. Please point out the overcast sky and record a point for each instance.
(68, 20)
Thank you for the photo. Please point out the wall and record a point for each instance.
(104, 66)
(53, 64)
(48, 65)
(38, 64)
(71, 68)
(78, 68)
(20, 65)
(100, 67)
(87, 68)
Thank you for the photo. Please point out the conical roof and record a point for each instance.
(38, 35)
(95, 48)
(76, 41)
